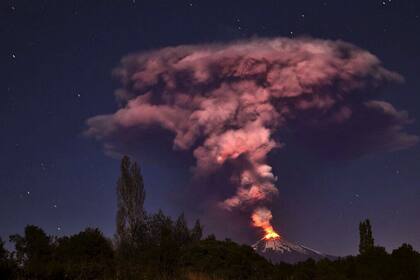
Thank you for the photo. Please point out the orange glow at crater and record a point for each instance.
(262, 218)
(270, 233)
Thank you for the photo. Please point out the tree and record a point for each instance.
(7, 265)
(197, 231)
(181, 231)
(406, 263)
(33, 252)
(130, 200)
(161, 252)
(3, 251)
(130, 220)
(86, 255)
(366, 238)
(225, 260)
(370, 243)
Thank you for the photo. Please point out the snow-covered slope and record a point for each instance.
(280, 250)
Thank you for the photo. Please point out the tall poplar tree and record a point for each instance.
(197, 231)
(130, 220)
(130, 200)
(367, 242)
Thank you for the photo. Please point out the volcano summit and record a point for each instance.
(279, 250)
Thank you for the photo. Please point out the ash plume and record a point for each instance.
(228, 103)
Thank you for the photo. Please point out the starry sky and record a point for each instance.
(56, 63)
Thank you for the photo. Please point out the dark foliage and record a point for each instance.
(130, 201)
(153, 246)
(366, 237)
(130, 220)
(225, 260)
(86, 255)
(377, 265)
(8, 266)
(34, 251)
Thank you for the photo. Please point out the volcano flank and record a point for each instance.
(278, 250)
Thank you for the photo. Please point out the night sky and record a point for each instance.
(56, 64)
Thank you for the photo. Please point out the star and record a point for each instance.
(59, 228)
(13, 56)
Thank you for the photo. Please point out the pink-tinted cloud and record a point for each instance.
(225, 102)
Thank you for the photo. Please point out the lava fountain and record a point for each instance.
(262, 218)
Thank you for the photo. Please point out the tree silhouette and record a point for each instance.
(366, 243)
(130, 200)
(3, 251)
(197, 231)
(7, 265)
(181, 231)
(86, 255)
(130, 219)
(33, 251)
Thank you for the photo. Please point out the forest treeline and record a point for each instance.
(154, 246)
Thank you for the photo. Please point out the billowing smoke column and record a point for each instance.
(226, 101)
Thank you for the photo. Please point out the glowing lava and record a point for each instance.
(261, 217)
(270, 233)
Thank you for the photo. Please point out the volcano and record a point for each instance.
(279, 250)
